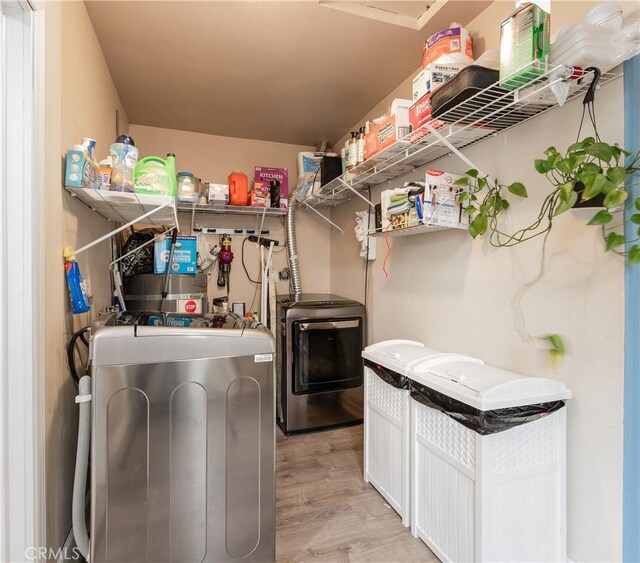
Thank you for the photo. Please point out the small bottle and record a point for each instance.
(352, 159)
(124, 156)
(360, 158)
(79, 300)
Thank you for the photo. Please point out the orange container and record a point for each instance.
(238, 188)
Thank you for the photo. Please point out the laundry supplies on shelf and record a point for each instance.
(184, 255)
(155, 175)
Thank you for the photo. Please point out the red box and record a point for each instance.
(383, 135)
(419, 115)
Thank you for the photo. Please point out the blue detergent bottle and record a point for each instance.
(79, 301)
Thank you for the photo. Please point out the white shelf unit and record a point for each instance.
(126, 207)
(484, 115)
(216, 209)
(415, 230)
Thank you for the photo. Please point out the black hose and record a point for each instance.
(71, 348)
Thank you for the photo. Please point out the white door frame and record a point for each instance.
(22, 435)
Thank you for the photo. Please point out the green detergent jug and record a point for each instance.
(155, 175)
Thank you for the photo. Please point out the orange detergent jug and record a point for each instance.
(238, 188)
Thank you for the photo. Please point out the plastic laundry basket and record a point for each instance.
(386, 417)
(489, 462)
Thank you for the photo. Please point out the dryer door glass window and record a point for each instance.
(326, 355)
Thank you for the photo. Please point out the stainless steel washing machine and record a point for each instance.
(320, 339)
(183, 442)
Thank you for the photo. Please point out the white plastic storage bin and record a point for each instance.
(386, 417)
(499, 496)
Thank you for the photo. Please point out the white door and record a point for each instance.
(21, 389)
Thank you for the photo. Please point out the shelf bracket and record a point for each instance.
(323, 216)
(453, 149)
(355, 192)
(126, 226)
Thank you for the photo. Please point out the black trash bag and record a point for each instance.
(140, 262)
(482, 422)
(391, 377)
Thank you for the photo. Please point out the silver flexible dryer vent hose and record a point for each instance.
(292, 246)
(82, 463)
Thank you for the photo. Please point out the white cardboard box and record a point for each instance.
(440, 200)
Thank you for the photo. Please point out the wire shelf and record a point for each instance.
(126, 207)
(415, 230)
(484, 115)
(229, 209)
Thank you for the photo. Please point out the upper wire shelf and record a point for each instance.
(220, 209)
(485, 114)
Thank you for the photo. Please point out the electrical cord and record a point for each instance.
(257, 282)
(71, 349)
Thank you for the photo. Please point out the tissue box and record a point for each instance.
(80, 171)
(184, 256)
(440, 205)
(266, 174)
(524, 46)
(218, 193)
(388, 130)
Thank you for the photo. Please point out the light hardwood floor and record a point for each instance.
(326, 512)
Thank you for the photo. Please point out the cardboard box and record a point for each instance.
(404, 216)
(184, 256)
(524, 46)
(432, 77)
(261, 194)
(385, 132)
(266, 174)
(81, 172)
(440, 205)
(419, 115)
(449, 45)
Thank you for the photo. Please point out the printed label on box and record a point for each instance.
(191, 306)
(184, 256)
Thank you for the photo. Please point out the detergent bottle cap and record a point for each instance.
(171, 154)
(126, 140)
(68, 253)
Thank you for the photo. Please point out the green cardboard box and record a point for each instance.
(524, 46)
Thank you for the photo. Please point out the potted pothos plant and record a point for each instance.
(588, 171)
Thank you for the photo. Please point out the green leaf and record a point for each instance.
(462, 197)
(473, 229)
(542, 166)
(463, 181)
(602, 217)
(602, 151)
(563, 166)
(557, 343)
(634, 255)
(617, 174)
(635, 218)
(550, 151)
(614, 240)
(576, 160)
(480, 223)
(566, 188)
(518, 189)
(482, 182)
(637, 204)
(615, 198)
(472, 172)
(566, 203)
(593, 186)
(469, 210)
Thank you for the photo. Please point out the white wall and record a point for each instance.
(456, 294)
(80, 100)
(212, 158)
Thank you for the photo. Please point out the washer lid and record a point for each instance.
(401, 355)
(486, 387)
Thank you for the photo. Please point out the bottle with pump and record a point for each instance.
(79, 300)
(352, 157)
(360, 145)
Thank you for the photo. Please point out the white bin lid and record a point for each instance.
(485, 387)
(401, 355)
